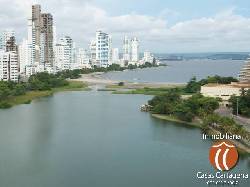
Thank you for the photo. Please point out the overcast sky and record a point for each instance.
(161, 25)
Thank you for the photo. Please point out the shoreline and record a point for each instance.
(28, 97)
(173, 119)
(242, 148)
(97, 79)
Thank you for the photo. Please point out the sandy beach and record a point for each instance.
(98, 79)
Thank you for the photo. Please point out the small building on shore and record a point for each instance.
(224, 91)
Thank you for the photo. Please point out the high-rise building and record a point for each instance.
(40, 34)
(110, 51)
(11, 45)
(134, 50)
(30, 42)
(115, 56)
(67, 40)
(65, 53)
(47, 38)
(9, 66)
(103, 48)
(1, 42)
(25, 55)
(83, 59)
(62, 56)
(36, 32)
(54, 35)
(92, 49)
(148, 57)
(244, 75)
(4, 37)
(126, 49)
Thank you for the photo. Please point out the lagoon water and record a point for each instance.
(180, 71)
(96, 139)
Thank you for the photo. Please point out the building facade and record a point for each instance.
(148, 57)
(83, 58)
(40, 35)
(36, 32)
(9, 66)
(103, 47)
(126, 49)
(25, 55)
(11, 45)
(62, 56)
(134, 50)
(115, 56)
(244, 75)
(67, 40)
(6, 36)
(47, 38)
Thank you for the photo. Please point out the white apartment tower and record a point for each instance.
(92, 49)
(62, 56)
(83, 59)
(103, 48)
(25, 55)
(67, 40)
(148, 57)
(126, 49)
(115, 56)
(9, 66)
(134, 50)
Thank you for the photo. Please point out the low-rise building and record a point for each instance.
(223, 91)
(148, 57)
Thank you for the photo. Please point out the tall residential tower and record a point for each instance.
(40, 34)
(103, 48)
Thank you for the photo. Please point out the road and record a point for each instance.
(224, 111)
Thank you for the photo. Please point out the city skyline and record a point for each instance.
(42, 52)
(207, 26)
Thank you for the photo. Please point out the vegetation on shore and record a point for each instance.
(224, 125)
(241, 103)
(194, 86)
(176, 120)
(39, 85)
(172, 107)
(74, 74)
(171, 103)
(44, 84)
(149, 91)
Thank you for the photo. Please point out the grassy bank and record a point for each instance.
(73, 86)
(176, 120)
(150, 91)
(31, 95)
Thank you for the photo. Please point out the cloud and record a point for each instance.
(225, 31)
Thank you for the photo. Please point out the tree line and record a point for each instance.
(38, 82)
(241, 104)
(171, 103)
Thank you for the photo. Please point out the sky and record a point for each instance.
(162, 26)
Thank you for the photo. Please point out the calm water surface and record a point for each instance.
(180, 71)
(95, 139)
